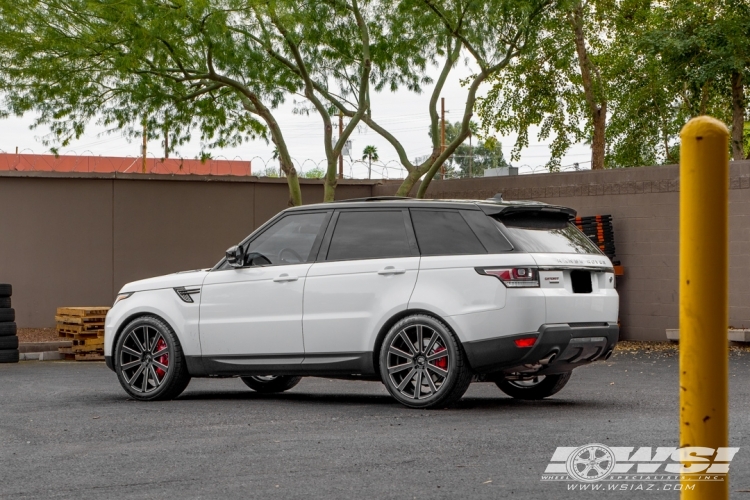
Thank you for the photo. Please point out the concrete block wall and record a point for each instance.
(644, 204)
(70, 239)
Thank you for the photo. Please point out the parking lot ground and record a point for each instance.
(68, 430)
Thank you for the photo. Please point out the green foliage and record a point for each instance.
(472, 157)
(268, 172)
(370, 153)
(314, 173)
(657, 65)
(204, 156)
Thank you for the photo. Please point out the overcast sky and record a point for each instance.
(403, 113)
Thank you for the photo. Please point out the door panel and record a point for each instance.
(347, 302)
(253, 311)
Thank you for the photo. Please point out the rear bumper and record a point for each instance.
(558, 348)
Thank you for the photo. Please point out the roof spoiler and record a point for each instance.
(531, 207)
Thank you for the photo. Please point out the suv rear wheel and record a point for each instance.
(535, 388)
(422, 365)
(269, 384)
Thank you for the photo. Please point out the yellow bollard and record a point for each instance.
(704, 280)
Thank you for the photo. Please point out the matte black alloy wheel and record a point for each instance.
(144, 359)
(422, 364)
(270, 384)
(149, 361)
(538, 387)
(418, 362)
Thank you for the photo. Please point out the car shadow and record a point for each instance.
(344, 399)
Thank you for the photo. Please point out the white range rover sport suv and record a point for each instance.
(424, 296)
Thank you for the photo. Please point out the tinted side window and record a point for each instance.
(290, 240)
(443, 232)
(369, 235)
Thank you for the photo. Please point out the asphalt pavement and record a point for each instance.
(68, 430)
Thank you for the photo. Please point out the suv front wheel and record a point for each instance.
(149, 361)
(422, 365)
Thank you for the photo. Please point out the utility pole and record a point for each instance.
(143, 149)
(471, 154)
(341, 156)
(166, 142)
(442, 135)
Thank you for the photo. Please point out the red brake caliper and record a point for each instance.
(163, 359)
(441, 363)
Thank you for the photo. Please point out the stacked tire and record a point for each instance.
(8, 330)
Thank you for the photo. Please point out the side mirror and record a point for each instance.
(235, 256)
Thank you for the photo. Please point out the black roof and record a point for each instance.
(491, 206)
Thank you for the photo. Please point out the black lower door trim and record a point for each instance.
(340, 363)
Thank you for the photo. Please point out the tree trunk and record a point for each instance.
(596, 102)
(597, 145)
(408, 184)
(329, 186)
(295, 194)
(738, 115)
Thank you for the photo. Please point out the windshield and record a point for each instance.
(538, 232)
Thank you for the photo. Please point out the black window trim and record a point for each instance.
(409, 228)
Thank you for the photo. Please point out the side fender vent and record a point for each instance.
(186, 293)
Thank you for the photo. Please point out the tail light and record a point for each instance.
(525, 342)
(513, 277)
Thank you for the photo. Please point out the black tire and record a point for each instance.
(142, 371)
(271, 384)
(4, 302)
(8, 343)
(549, 385)
(445, 386)
(7, 314)
(5, 290)
(9, 356)
(7, 329)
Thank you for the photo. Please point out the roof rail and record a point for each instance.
(376, 198)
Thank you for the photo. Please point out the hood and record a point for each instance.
(184, 278)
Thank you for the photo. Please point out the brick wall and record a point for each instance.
(644, 203)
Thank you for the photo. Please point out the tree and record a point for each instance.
(490, 33)
(626, 76)
(172, 65)
(469, 160)
(370, 153)
(704, 47)
(320, 43)
(314, 173)
(558, 84)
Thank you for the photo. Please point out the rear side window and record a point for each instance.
(545, 233)
(444, 232)
(369, 235)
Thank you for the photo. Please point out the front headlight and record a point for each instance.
(122, 296)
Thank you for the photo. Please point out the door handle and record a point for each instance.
(388, 270)
(283, 278)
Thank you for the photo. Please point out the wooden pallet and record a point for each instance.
(81, 350)
(86, 328)
(82, 311)
(80, 336)
(90, 357)
(80, 320)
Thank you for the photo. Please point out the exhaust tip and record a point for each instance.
(609, 353)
